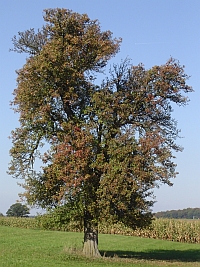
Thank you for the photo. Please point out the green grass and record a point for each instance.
(27, 247)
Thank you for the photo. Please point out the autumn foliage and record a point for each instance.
(108, 145)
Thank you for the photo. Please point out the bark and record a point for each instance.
(90, 247)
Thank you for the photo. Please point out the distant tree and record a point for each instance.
(110, 144)
(188, 213)
(18, 210)
(1, 214)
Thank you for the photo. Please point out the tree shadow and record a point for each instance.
(166, 255)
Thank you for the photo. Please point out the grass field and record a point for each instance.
(28, 247)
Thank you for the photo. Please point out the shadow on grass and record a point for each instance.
(167, 255)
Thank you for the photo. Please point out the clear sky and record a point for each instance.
(152, 31)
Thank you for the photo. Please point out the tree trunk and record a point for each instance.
(90, 247)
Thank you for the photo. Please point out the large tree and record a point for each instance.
(18, 210)
(108, 145)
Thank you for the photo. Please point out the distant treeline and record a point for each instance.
(189, 213)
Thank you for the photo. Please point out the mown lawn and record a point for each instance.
(27, 247)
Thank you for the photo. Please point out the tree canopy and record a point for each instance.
(109, 144)
(18, 210)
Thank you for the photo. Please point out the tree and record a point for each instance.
(18, 210)
(189, 213)
(1, 214)
(109, 145)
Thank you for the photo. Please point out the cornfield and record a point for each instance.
(19, 222)
(187, 231)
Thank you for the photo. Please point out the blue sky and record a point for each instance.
(152, 31)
